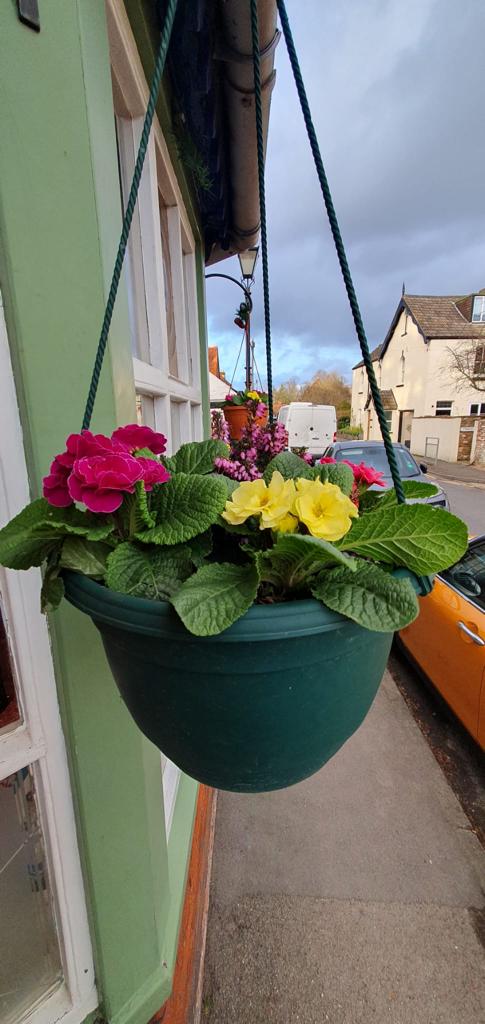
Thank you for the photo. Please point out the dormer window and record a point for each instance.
(478, 314)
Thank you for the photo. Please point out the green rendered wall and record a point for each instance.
(59, 228)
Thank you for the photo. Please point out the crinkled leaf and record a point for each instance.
(215, 597)
(25, 540)
(85, 556)
(52, 591)
(369, 596)
(200, 547)
(335, 473)
(413, 489)
(294, 559)
(230, 484)
(198, 456)
(290, 466)
(152, 573)
(74, 520)
(144, 519)
(419, 537)
(187, 505)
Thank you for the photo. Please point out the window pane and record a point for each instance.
(376, 457)
(9, 708)
(468, 575)
(167, 278)
(30, 964)
(145, 411)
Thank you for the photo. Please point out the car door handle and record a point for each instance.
(473, 636)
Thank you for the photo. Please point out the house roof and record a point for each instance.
(374, 355)
(444, 316)
(388, 400)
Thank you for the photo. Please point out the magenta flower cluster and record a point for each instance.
(219, 427)
(98, 471)
(254, 450)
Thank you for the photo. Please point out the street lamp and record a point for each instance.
(247, 262)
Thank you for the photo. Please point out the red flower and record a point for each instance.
(367, 475)
(153, 472)
(327, 459)
(55, 488)
(101, 481)
(133, 437)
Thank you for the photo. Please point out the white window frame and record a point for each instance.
(445, 408)
(480, 409)
(177, 400)
(479, 305)
(38, 739)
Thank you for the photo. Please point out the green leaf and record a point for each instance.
(143, 517)
(149, 573)
(215, 597)
(52, 591)
(230, 484)
(294, 559)
(369, 501)
(24, 541)
(290, 466)
(85, 556)
(369, 596)
(187, 505)
(412, 489)
(198, 456)
(419, 537)
(200, 547)
(335, 473)
(74, 520)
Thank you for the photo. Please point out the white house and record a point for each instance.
(426, 407)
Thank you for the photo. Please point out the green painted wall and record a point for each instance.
(59, 228)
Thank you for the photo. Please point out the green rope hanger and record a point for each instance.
(342, 258)
(262, 197)
(130, 208)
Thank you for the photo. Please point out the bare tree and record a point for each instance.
(467, 366)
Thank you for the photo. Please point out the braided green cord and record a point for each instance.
(130, 208)
(262, 198)
(339, 245)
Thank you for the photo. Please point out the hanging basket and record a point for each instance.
(237, 417)
(259, 707)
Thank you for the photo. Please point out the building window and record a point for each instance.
(388, 415)
(361, 388)
(403, 367)
(477, 409)
(479, 363)
(478, 315)
(443, 408)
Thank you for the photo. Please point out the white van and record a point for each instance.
(309, 426)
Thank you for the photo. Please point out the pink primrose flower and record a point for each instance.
(101, 481)
(328, 460)
(367, 475)
(134, 436)
(153, 472)
(55, 488)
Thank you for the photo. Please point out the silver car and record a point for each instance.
(373, 453)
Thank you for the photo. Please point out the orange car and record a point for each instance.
(447, 640)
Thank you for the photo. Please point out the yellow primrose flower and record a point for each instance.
(287, 525)
(252, 394)
(325, 510)
(272, 502)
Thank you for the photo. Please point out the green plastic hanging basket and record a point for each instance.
(259, 707)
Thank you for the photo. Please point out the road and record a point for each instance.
(466, 501)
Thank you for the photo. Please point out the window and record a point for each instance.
(478, 314)
(403, 367)
(443, 408)
(468, 575)
(477, 409)
(479, 362)
(361, 385)
(388, 415)
(375, 456)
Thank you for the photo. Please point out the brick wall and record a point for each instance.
(480, 447)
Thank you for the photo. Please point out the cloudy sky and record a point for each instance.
(397, 93)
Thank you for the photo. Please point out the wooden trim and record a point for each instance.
(183, 1007)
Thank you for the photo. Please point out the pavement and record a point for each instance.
(356, 897)
(457, 472)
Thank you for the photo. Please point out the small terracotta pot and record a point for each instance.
(237, 418)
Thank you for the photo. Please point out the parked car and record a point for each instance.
(373, 453)
(309, 426)
(447, 640)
